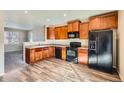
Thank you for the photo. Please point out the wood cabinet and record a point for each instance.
(57, 32)
(51, 51)
(50, 33)
(104, 21)
(109, 21)
(30, 55)
(64, 53)
(95, 23)
(73, 26)
(61, 32)
(83, 56)
(84, 29)
(45, 52)
(38, 54)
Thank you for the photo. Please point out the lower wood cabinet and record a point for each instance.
(38, 54)
(30, 55)
(51, 51)
(45, 52)
(83, 56)
(64, 53)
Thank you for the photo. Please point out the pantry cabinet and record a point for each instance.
(74, 26)
(84, 29)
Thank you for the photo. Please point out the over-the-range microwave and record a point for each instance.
(73, 34)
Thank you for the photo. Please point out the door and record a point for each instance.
(105, 50)
(92, 53)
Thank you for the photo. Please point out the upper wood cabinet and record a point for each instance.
(57, 32)
(84, 29)
(61, 32)
(50, 33)
(95, 23)
(109, 21)
(104, 21)
(73, 26)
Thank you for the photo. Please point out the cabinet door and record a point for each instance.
(38, 54)
(30, 55)
(70, 25)
(109, 21)
(64, 53)
(50, 33)
(84, 29)
(95, 23)
(63, 33)
(83, 56)
(51, 51)
(45, 52)
(57, 32)
(75, 26)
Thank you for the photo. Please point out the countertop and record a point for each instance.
(45, 45)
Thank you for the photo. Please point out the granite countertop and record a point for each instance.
(45, 45)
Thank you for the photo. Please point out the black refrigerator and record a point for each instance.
(100, 52)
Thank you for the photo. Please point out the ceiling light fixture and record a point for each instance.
(64, 15)
(48, 20)
(26, 12)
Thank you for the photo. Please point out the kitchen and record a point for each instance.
(71, 44)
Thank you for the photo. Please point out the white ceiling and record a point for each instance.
(46, 17)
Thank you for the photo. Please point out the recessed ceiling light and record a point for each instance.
(48, 20)
(26, 12)
(64, 14)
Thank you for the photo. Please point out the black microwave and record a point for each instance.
(73, 34)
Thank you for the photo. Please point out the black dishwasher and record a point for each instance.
(58, 52)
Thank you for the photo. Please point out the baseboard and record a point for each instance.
(122, 79)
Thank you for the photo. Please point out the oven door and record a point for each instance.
(71, 55)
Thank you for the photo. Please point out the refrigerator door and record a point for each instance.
(104, 46)
(92, 52)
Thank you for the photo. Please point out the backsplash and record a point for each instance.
(84, 42)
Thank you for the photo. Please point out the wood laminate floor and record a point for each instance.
(55, 70)
(13, 60)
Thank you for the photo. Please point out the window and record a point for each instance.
(11, 37)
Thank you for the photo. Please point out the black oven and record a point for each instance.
(73, 34)
(72, 52)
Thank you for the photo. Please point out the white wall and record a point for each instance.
(23, 37)
(1, 42)
(37, 34)
(121, 43)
